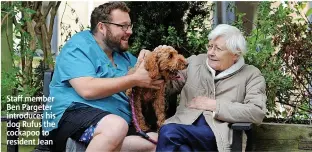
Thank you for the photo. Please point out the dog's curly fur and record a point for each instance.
(163, 62)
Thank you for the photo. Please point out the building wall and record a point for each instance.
(65, 15)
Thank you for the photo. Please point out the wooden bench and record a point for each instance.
(73, 146)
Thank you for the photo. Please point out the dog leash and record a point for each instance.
(136, 125)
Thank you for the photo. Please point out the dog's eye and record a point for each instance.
(170, 56)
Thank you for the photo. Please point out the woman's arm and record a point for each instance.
(252, 109)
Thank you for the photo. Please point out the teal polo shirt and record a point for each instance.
(81, 56)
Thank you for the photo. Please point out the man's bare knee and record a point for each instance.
(112, 125)
(109, 134)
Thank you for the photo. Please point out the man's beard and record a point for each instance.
(113, 42)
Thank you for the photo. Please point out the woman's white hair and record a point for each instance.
(234, 39)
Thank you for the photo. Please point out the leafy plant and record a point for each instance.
(31, 33)
(164, 23)
(280, 47)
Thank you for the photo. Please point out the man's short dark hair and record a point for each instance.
(103, 12)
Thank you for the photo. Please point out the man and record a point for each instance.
(89, 83)
(217, 88)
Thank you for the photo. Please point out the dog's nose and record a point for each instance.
(186, 64)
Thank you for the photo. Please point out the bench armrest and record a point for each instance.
(46, 81)
(241, 126)
(238, 129)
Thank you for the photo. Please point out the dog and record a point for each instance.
(164, 63)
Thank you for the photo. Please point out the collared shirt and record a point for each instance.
(81, 56)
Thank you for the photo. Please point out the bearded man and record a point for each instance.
(88, 84)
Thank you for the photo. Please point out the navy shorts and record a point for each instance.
(78, 122)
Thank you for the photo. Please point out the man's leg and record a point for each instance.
(130, 143)
(72, 126)
(109, 134)
(137, 143)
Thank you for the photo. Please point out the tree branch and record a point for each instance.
(295, 74)
(294, 106)
(52, 17)
(36, 16)
(6, 16)
(62, 20)
(45, 14)
(9, 46)
(302, 15)
(31, 47)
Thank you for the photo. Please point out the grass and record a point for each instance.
(21, 148)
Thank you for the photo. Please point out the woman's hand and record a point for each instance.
(143, 53)
(202, 103)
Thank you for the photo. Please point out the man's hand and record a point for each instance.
(144, 79)
(202, 103)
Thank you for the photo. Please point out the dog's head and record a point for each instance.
(165, 62)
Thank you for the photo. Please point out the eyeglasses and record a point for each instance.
(124, 27)
(210, 47)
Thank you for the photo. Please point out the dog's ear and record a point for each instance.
(151, 65)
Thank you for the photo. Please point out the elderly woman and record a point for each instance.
(217, 88)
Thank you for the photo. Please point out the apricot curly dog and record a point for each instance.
(164, 62)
